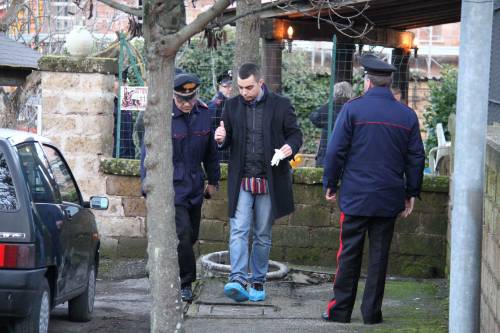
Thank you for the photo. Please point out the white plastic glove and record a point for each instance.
(278, 156)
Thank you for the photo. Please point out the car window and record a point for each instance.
(43, 159)
(8, 196)
(36, 175)
(67, 186)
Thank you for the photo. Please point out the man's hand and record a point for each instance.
(220, 134)
(286, 150)
(408, 207)
(210, 191)
(329, 196)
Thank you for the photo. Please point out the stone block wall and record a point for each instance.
(490, 258)
(309, 236)
(77, 115)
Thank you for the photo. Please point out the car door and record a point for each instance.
(80, 232)
(48, 208)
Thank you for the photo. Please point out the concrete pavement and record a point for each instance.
(293, 305)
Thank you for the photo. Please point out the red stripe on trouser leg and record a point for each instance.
(332, 303)
(342, 217)
(330, 306)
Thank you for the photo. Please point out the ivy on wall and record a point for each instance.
(307, 91)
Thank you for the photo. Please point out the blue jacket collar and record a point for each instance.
(220, 95)
(380, 91)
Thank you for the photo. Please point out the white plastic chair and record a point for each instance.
(437, 153)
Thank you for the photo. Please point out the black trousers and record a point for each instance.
(187, 225)
(349, 256)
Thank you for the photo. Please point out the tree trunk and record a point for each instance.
(161, 20)
(247, 37)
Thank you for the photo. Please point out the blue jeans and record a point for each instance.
(248, 206)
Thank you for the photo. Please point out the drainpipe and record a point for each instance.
(468, 175)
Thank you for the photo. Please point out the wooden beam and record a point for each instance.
(422, 19)
(384, 13)
(308, 30)
(296, 7)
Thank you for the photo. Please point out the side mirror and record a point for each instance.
(99, 203)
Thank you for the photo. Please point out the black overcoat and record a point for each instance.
(280, 127)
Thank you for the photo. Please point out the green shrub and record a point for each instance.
(443, 96)
(196, 58)
(307, 91)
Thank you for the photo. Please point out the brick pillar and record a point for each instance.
(272, 63)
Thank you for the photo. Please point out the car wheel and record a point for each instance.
(81, 307)
(38, 320)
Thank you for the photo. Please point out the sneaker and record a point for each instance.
(257, 292)
(236, 291)
(187, 294)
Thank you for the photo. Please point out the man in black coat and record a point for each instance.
(261, 131)
(377, 154)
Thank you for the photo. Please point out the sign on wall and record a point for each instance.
(134, 98)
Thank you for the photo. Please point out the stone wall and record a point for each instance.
(77, 115)
(309, 236)
(490, 259)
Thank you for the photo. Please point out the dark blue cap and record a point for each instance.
(178, 71)
(186, 85)
(375, 66)
(225, 78)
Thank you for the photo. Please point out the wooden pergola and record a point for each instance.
(389, 20)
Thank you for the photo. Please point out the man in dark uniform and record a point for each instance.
(377, 153)
(216, 105)
(193, 145)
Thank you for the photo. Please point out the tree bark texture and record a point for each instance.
(165, 30)
(247, 37)
(161, 20)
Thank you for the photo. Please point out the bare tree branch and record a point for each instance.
(316, 9)
(10, 15)
(124, 8)
(250, 12)
(201, 21)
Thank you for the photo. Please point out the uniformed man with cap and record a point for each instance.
(216, 105)
(377, 155)
(193, 146)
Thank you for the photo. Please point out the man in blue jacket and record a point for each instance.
(377, 153)
(193, 145)
(216, 105)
